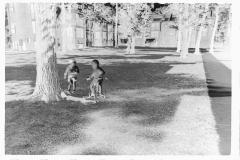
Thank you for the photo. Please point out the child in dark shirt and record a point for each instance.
(97, 77)
(71, 73)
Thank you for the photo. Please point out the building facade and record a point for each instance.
(82, 33)
(22, 26)
(163, 35)
(75, 32)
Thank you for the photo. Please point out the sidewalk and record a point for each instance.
(217, 67)
(224, 57)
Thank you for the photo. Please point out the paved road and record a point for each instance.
(219, 84)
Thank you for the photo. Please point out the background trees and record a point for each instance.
(222, 24)
(130, 20)
(134, 20)
(8, 40)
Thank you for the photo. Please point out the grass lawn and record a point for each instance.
(156, 104)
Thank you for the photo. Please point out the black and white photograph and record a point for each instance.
(114, 78)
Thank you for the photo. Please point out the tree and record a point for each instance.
(116, 26)
(95, 12)
(202, 12)
(47, 83)
(175, 10)
(184, 51)
(214, 28)
(64, 28)
(222, 24)
(134, 20)
(8, 39)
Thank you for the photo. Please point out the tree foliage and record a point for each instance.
(134, 19)
(8, 39)
(223, 22)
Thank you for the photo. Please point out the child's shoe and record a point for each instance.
(92, 95)
(68, 92)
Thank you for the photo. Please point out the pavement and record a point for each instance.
(217, 67)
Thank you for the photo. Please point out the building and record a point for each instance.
(82, 33)
(163, 35)
(22, 26)
(75, 32)
(102, 34)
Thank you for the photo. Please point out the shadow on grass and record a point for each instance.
(219, 91)
(35, 128)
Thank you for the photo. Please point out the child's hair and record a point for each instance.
(96, 62)
(72, 60)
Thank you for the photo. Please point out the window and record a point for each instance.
(80, 32)
(13, 28)
(124, 41)
(28, 40)
(155, 26)
(15, 45)
(154, 33)
(97, 35)
(32, 11)
(11, 7)
(80, 22)
(105, 25)
(34, 27)
(104, 35)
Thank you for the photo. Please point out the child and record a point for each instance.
(97, 76)
(72, 71)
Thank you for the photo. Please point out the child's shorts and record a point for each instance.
(72, 79)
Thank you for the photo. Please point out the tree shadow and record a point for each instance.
(63, 122)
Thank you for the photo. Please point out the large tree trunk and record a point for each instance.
(64, 29)
(184, 51)
(214, 30)
(199, 36)
(47, 84)
(116, 26)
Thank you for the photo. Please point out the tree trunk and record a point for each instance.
(189, 36)
(199, 36)
(128, 45)
(144, 39)
(179, 41)
(116, 26)
(47, 83)
(179, 34)
(64, 29)
(132, 51)
(214, 30)
(184, 51)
